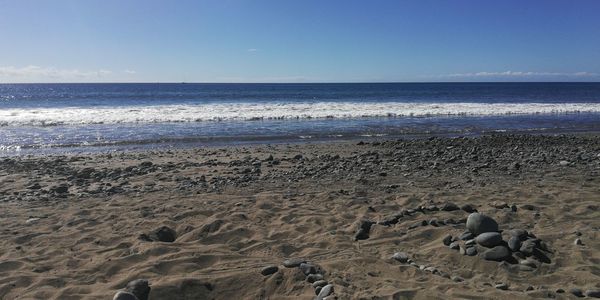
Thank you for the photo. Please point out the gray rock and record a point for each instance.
(471, 251)
(139, 287)
(268, 270)
(319, 283)
(489, 239)
(447, 240)
(121, 295)
(578, 242)
(363, 230)
(514, 243)
(502, 286)
(527, 247)
(400, 256)
(450, 207)
(479, 223)
(454, 246)
(293, 262)
(466, 236)
(498, 253)
(468, 208)
(164, 234)
(529, 263)
(325, 291)
(311, 278)
(577, 292)
(519, 233)
(308, 268)
(592, 293)
(457, 278)
(470, 242)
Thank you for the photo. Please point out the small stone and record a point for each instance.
(268, 270)
(454, 246)
(529, 288)
(471, 251)
(499, 204)
(450, 207)
(462, 251)
(466, 236)
(578, 242)
(560, 291)
(319, 283)
(447, 240)
(457, 278)
(164, 234)
(592, 293)
(325, 291)
(514, 243)
(311, 278)
(479, 223)
(528, 247)
(32, 221)
(528, 262)
(121, 295)
(497, 253)
(431, 269)
(468, 208)
(489, 239)
(470, 242)
(400, 256)
(363, 230)
(308, 268)
(433, 222)
(140, 288)
(577, 292)
(293, 262)
(564, 163)
(502, 286)
(519, 233)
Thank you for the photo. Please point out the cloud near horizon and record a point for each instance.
(517, 74)
(32, 71)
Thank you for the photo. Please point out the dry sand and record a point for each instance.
(70, 226)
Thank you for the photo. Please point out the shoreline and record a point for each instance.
(72, 224)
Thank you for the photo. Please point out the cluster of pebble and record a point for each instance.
(314, 275)
(483, 231)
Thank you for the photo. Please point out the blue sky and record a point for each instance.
(299, 41)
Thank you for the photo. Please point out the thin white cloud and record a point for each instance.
(252, 50)
(519, 74)
(38, 72)
(127, 71)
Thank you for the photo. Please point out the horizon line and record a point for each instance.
(316, 82)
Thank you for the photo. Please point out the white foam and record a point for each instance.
(270, 111)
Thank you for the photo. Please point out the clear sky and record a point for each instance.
(299, 41)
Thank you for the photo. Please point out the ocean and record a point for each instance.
(58, 118)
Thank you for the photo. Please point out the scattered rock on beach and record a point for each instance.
(577, 292)
(269, 270)
(140, 288)
(400, 256)
(592, 293)
(325, 291)
(293, 262)
(121, 295)
(164, 234)
(363, 230)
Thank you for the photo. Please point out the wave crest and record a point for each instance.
(274, 111)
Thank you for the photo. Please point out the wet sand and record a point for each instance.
(83, 226)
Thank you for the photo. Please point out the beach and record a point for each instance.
(81, 226)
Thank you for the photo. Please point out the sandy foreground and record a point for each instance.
(82, 227)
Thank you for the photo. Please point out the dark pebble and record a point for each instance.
(269, 270)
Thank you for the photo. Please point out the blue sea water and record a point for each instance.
(40, 118)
